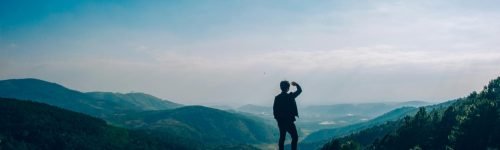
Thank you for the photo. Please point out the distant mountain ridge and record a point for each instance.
(140, 101)
(203, 123)
(363, 109)
(316, 139)
(93, 103)
(471, 122)
(53, 94)
(255, 109)
(318, 117)
(326, 134)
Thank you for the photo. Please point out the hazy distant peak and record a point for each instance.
(140, 94)
(197, 108)
(124, 94)
(26, 80)
(32, 82)
(93, 103)
(140, 100)
(250, 105)
(415, 103)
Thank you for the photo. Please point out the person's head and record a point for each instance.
(284, 85)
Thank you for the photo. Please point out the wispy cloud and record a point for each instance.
(335, 60)
(216, 52)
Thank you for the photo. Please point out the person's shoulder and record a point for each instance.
(281, 95)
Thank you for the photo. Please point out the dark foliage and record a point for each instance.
(32, 125)
(472, 122)
(364, 137)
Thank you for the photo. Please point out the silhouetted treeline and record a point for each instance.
(472, 122)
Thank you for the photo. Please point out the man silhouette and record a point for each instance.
(285, 110)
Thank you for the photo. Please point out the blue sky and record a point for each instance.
(236, 52)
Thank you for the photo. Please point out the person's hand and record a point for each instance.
(294, 83)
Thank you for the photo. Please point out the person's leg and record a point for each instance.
(295, 137)
(281, 141)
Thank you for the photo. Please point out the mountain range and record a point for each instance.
(318, 117)
(316, 139)
(97, 104)
(37, 114)
(202, 123)
(141, 111)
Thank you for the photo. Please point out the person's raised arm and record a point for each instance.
(299, 90)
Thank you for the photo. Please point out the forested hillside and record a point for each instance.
(26, 125)
(135, 101)
(202, 123)
(472, 122)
